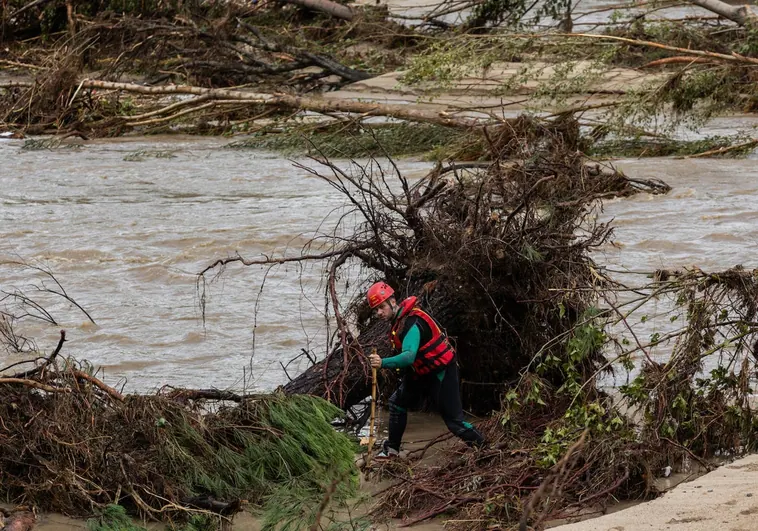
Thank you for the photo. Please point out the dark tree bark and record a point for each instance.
(344, 384)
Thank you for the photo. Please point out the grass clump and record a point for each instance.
(113, 518)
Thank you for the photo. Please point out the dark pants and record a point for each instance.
(446, 397)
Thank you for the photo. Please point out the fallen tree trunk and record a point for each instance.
(303, 103)
(740, 14)
(326, 63)
(728, 58)
(343, 380)
(326, 6)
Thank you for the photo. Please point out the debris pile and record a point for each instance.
(498, 252)
(70, 443)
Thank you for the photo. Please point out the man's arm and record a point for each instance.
(409, 349)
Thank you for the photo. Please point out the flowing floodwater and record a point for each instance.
(125, 225)
(126, 238)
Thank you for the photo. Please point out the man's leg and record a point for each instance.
(449, 404)
(405, 396)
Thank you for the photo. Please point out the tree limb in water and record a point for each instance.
(326, 63)
(48, 361)
(267, 260)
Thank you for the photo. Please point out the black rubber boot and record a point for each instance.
(472, 437)
(396, 428)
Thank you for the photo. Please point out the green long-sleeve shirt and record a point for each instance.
(408, 352)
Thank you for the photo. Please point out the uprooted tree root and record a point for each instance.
(71, 444)
(494, 252)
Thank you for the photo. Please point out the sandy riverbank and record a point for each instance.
(726, 498)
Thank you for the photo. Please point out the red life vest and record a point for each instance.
(433, 354)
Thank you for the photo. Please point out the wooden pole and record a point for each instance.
(373, 413)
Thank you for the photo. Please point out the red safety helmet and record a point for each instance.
(378, 293)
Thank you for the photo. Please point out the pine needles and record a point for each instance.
(74, 449)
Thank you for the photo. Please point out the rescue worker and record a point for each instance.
(423, 349)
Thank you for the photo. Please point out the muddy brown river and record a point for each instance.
(125, 232)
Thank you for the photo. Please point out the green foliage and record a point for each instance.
(144, 154)
(115, 518)
(301, 451)
(586, 410)
(662, 147)
(450, 60)
(598, 419)
(291, 509)
(555, 70)
(587, 338)
(684, 411)
(714, 86)
(355, 140)
(126, 107)
(513, 12)
(749, 44)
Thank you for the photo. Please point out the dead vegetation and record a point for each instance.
(263, 49)
(74, 445)
(271, 54)
(71, 443)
